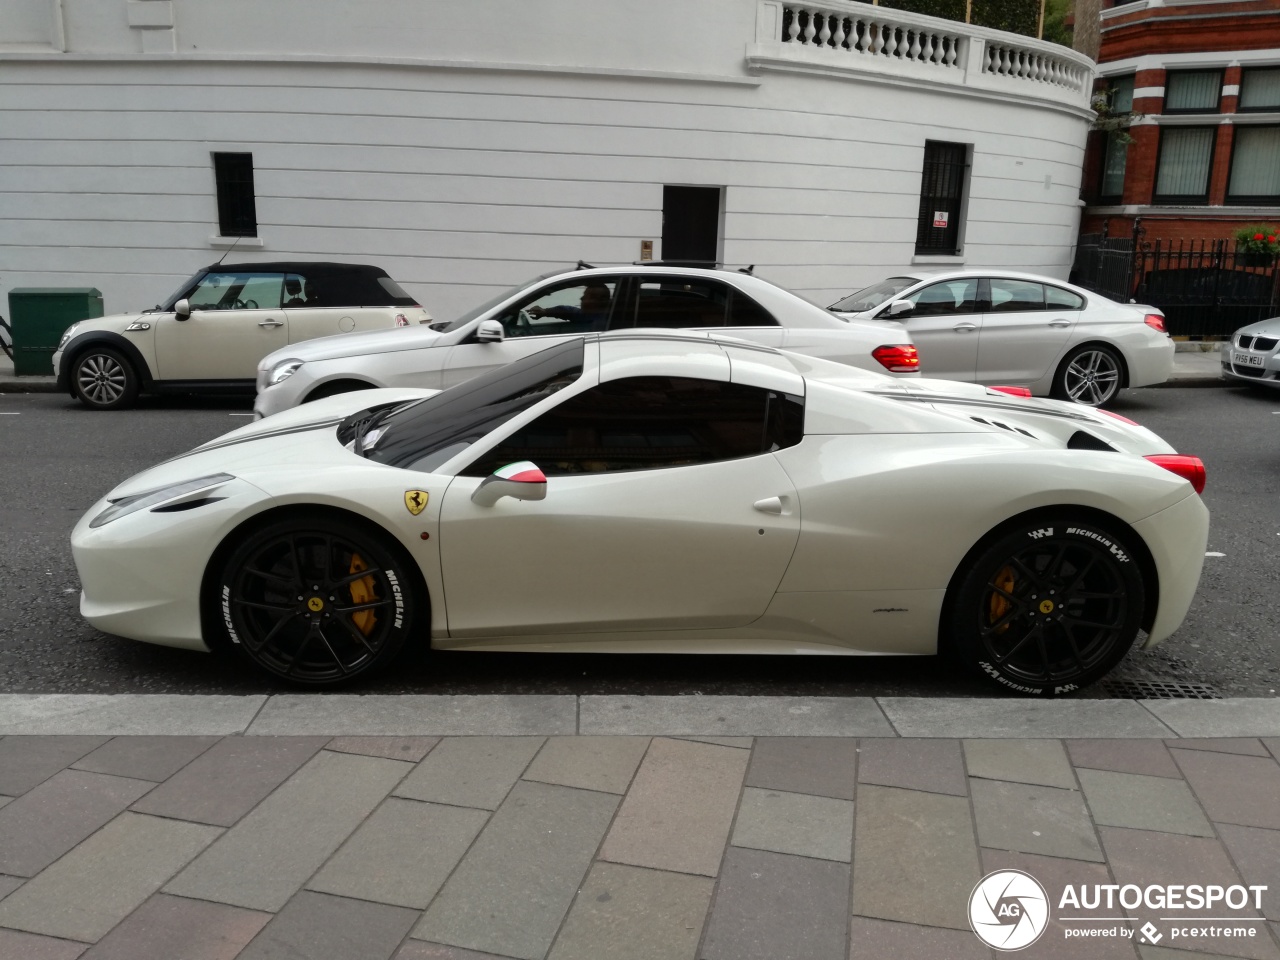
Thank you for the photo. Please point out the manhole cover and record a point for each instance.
(1159, 690)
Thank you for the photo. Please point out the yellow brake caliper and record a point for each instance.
(999, 605)
(362, 591)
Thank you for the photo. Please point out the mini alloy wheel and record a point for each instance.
(1049, 608)
(316, 603)
(104, 380)
(1090, 376)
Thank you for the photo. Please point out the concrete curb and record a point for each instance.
(28, 385)
(23, 714)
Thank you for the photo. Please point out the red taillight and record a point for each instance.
(1013, 391)
(1188, 468)
(1155, 322)
(401, 320)
(1117, 416)
(898, 358)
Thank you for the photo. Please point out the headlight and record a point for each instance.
(123, 506)
(67, 335)
(282, 371)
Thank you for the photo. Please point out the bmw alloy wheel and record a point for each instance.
(1091, 376)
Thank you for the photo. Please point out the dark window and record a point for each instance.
(237, 212)
(691, 224)
(941, 193)
(1260, 89)
(1115, 156)
(1255, 166)
(745, 312)
(1182, 173)
(1059, 299)
(647, 423)
(1192, 91)
(946, 298)
(423, 435)
(1015, 296)
(679, 302)
(574, 306)
(1120, 94)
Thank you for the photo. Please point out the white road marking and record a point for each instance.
(1212, 554)
(10, 413)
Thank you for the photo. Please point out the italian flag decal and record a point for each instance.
(522, 472)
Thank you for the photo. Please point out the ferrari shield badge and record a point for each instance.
(415, 500)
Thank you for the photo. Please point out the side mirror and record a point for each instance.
(182, 309)
(523, 481)
(900, 308)
(490, 331)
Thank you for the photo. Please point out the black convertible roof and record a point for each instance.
(330, 284)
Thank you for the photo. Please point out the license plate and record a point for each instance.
(1246, 360)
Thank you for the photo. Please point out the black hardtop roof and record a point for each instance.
(302, 266)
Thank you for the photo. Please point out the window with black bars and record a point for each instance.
(237, 212)
(941, 195)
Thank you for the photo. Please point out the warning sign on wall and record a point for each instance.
(940, 218)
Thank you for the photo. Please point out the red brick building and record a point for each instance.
(1202, 78)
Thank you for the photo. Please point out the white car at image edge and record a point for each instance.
(996, 326)
(559, 305)
(660, 492)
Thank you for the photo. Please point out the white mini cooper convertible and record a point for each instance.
(660, 492)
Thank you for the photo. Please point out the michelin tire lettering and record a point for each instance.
(226, 614)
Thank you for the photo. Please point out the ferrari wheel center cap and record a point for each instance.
(1046, 606)
(315, 604)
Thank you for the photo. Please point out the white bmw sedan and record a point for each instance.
(567, 303)
(642, 492)
(994, 326)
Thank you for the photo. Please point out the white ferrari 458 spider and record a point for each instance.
(660, 492)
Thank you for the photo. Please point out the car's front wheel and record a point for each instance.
(1090, 375)
(104, 380)
(1048, 607)
(316, 601)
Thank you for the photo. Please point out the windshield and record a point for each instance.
(187, 284)
(491, 303)
(423, 435)
(871, 297)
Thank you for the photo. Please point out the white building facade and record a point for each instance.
(468, 146)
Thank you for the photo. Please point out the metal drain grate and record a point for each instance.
(1159, 690)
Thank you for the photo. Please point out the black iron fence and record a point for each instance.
(1206, 288)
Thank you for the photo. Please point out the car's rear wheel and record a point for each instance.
(316, 601)
(1090, 375)
(104, 380)
(1048, 607)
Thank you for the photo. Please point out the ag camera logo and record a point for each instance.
(1008, 910)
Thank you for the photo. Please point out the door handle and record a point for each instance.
(271, 323)
(965, 327)
(779, 506)
(1059, 323)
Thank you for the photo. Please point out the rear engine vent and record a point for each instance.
(1159, 690)
(1003, 426)
(1083, 440)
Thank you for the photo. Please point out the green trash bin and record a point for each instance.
(38, 315)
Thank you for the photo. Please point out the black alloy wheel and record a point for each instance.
(1049, 608)
(104, 380)
(317, 602)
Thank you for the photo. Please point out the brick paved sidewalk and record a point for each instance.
(726, 848)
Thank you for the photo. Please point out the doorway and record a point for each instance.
(691, 224)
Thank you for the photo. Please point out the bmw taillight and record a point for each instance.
(1116, 416)
(1013, 391)
(898, 357)
(1188, 468)
(1155, 322)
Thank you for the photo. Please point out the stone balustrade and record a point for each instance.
(860, 38)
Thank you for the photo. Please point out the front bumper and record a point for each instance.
(141, 574)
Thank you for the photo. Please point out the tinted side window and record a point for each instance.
(678, 302)
(1010, 296)
(948, 297)
(576, 306)
(745, 312)
(646, 423)
(1059, 299)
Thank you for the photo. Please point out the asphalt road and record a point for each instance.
(56, 459)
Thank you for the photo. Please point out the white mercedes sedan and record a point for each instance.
(650, 492)
(994, 326)
(567, 303)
